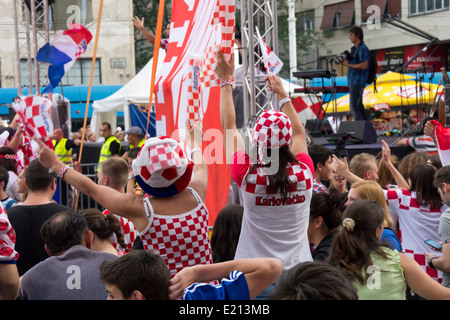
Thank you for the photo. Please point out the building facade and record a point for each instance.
(115, 57)
(415, 25)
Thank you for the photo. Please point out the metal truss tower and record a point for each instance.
(31, 26)
(261, 15)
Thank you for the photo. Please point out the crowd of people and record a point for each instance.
(309, 226)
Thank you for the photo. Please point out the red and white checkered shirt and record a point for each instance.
(181, 240)
(128, 229)
(416, 224)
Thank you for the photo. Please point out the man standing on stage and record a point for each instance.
(358, 71)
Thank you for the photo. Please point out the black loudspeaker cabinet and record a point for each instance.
(318, 127)
(362, 131)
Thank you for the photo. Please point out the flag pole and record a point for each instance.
(157, 45)
(99, 19)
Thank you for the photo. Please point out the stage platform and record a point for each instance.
(353, 147)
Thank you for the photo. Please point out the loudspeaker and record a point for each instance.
(362, 130)
(318, 127)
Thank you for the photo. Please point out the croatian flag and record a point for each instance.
(272, 62)
(63, 51)
(443, 142)
(35, 119)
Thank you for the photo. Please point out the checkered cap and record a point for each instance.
(161, 167)
(272, 131)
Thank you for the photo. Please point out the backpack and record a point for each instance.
(373, 68)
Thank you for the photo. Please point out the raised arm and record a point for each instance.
(125, 205)
(259, 274)
(298, 132)
(342, 169)
(200, 179)
(147, 34)
(386, 154)
(232, 140)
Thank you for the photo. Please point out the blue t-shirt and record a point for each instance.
(358, 77)
(390, 238)
(233, 288)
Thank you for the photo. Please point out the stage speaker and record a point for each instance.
(362, 131)
(318, 128)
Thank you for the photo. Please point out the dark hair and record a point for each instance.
(329, 206)
(354, 243)
(319, 154)
(279, 182)
(422, 177)
(38, 177)
(4, 177)
(138, 270)
(226, 231)
(107, 124)
(441, 176)
(435, 161)
(8, 164)
(133, 153)
(314, 281)
(357, 31)
(63, 230)
(103, 226)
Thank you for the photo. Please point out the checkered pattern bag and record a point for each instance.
(272, 131)
(181, 240)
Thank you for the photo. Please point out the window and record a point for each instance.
(78, 74)
(338, 16)
(427, 6)
(305, 21)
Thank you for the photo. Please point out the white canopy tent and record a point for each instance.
(136, 91)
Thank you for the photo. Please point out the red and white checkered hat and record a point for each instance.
(272, 131)
(161, 168)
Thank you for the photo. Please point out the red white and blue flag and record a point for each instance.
(63, 51)
(443, 142)
(272, 62)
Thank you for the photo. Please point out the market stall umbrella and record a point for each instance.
(394, 90)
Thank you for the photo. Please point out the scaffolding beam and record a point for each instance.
(261, 14)
(31, 28)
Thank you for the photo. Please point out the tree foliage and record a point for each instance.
(148, 9)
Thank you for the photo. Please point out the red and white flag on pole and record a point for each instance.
(272, 62)
(443, 142)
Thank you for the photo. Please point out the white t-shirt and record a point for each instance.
(416, 224)
(273, 226)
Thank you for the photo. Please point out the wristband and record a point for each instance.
(193, 150)
(63, 171)
(284, 101)
(225, 83)
(430, 263)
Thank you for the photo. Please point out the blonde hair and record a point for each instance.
(368, 189)
(116, 169)
(384, 174)
(361, 163)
